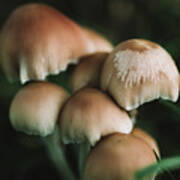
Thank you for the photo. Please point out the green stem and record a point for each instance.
(56, 152)
(84, 150)
(162, 165)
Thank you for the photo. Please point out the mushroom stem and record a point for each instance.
(133, 115)
(56, 153)
(84, 149)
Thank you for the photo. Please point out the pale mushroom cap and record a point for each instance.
(35, 108)
(90, 114)
(148, 139)
(87, 72)
(98, 41)
(38, 40)
(118, 157)
(139, 71)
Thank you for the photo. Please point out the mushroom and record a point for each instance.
(118, 156)
(37, 40)
(98, 41)
(34, 111)
(89, 115)
(138, 71)
(87, 72)
(148, 139)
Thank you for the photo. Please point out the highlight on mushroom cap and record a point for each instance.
(139, 71)
(90, 114)
(35, 108)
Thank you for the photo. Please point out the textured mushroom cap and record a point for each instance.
(90, 114)
(98, 41)
(38, 40)
(87, 72)
(118, 157)
(147, 138)
(36, 107)
(139, 71)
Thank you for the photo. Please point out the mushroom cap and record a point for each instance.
(35, 108)
(118, 157)
(147, 138)
(87, 72)
(99, 42)
(90, 114)
(38, 40)
(139, 71)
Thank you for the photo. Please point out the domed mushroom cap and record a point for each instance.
(139, 71)
(87, 72)
(35, 108)
(90, 114)
(118, 157)
(38, 40)
(147, 138)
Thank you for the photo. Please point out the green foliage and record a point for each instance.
(174, 108)
(160, 167)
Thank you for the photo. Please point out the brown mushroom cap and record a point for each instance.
(35, 108)
(90, 114)
(98, 41)
(38, 40)
(147, 138)
(118, 157)
(139, 71)
(87, 72)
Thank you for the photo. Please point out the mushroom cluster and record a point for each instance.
(107, 85)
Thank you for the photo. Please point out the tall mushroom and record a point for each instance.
(38, 40)
(118, 156)
(34, 111)
(89, 115)
(139, 71)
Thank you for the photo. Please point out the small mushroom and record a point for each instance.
(87, 72)
(118, 156)
(34, 111)
(138, 71)
(89, 115)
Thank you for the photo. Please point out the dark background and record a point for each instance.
(23, 157)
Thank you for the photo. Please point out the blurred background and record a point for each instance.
(23, 157)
